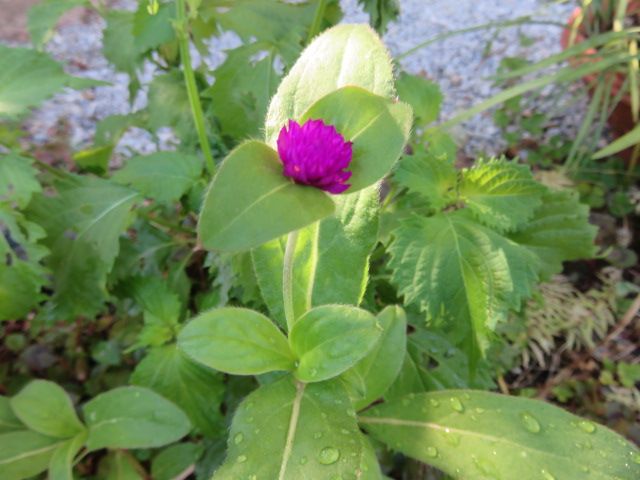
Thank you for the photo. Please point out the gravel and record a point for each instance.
(461, 65)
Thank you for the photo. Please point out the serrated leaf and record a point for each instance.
(151, 31)
(462, 274)
(422, 94)
(175, 460)
(162, 176)
(433, 177)
(8, 420)
(502, 195)
(24, 454)
(21, 273)
(83, 221)
(197, 390)
(61, 463)
(119, 42)
(289, 430)
(28, 77)
(381, 12)
(331, 259)
(45, 407)
(329, 339)
(502, 435)
(251, 202)
(244, 84)
(133, 417)
(169, 105)
(370, 378)
(559, 231)
(377, 127)
(18, 180)
(343, 55)
(236, 340)
(43, 17)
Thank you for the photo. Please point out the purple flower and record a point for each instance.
(315, 154)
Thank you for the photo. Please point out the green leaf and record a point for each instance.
(236, 340)
(133, 417)
(329, 339)
(499, 435)
(331, 260)
(162, 176)
(43, 17)
(381, 12)
(151, 31)
(120, 465)
(18, 180)
(45, 407)
(287, 430)
(24, 454)
(61, 464)
(27, 78)
(370, 378)
(197, 390)
(119, 42)
(627, 140)
(170, 463)
(377, 127)
(169, 105)
(423, 95)
(433, 177)
(251, 202)
(462, 274)
(343, 55)
(84, 222)
(8, 421)
(21, 273)
(502, 195)
(559, 231)
(244, 84)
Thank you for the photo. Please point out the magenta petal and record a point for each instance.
(315, 154)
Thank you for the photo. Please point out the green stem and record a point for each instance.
(181, 27)
(287, 279)
(317, 20)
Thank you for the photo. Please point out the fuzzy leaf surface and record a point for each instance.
(502, 435)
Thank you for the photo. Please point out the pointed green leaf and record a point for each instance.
(175, 460)
(27, 78)
(559, 231)
(162, 176)
(133, 417)
(197, 390)
(343, 55)
(61, 463)
(471, 434)
(370, 378)
(8, 421)
(18, 180)
(251, 202)
(45, 407)
(328, 340)
(422, 94)
(236, 340)
(24, 454)
(501, 194)
(43, 17)
(377, 127)
(461, 273)
(84, 221)
(331, 260)
(289, 430)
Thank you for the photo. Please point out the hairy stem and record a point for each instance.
(287, 279)
(182, 26)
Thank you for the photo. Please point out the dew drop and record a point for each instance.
(432, 452)
(530, 423)
(456, 404)
(433, 402)
(479, 410)
(635, 456)
(313, 372)
(546, 475)
(487, 468)
(317, 435)
(241, 459)
(451, 438)
(239, 437)
(328, 455)
(586, 426)
(303, 460)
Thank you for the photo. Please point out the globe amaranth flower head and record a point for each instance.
(315, 154)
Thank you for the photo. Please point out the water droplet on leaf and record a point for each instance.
(587, 426)
(238, 438)
(241, 459)
(530, 423)
(456, 404)
(328, 455)
(432, 452)
(546, 475)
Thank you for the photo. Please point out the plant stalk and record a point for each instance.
(317, 20)
(287, 278)
(181, 27)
